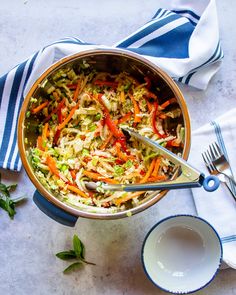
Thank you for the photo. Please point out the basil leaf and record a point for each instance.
(78, 246)
(66, 255)
(72, 267)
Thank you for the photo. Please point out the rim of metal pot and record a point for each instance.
(48, 195)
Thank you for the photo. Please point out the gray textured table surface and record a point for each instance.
(28, 244)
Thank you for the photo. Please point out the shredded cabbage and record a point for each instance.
(80, 137)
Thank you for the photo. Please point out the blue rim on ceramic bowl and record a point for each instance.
(217, 238)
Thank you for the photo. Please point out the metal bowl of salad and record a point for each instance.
(70, 131)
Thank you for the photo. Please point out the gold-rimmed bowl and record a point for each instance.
(113, 61)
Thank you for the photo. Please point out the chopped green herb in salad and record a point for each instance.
(80, 115)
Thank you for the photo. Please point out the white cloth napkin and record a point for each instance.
(182, 38)
(218, 207)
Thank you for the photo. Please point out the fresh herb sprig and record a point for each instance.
(6, 203)
(77, 254)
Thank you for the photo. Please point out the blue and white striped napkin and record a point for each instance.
(218, 207)
(182, 39)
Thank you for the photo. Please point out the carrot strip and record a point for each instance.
(168, 102)
(121, 155)
(40, 107)
(106, 142)
(127, 197)
(156, 178)
(125, 118)
(52, 166)
(44, 136)
(66, 121)
(73, 174)
(40, 143)
(77, 191)
(97, 176)
(137, 119)
(76, 93)
(45, 132)
(55, 95)
(149, 105)
(162, 116)
(109, 180)
(122, 96)
(149, 172)
(156, 167)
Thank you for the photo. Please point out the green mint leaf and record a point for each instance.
(3, 204)
(66, 255)
(4, 190)
(9, 206)
(73, 267)
(11, 187)
(78, 246)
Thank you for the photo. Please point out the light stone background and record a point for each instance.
(28, 244)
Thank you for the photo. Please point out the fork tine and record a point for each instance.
(210, 166)
(210, 163)
(215, 149)
(212, 153)
(218, 149)
(209, 156)
(204, 158)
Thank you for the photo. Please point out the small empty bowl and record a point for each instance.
(182, 254)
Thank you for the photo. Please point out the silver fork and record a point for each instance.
(212, 170)
(220, 162)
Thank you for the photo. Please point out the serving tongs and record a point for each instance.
(185, 176)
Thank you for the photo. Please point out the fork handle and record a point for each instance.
(230, 190)
(228, 174)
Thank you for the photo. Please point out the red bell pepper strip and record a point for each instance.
(72, 86)
(112, 126)
(108, 120)
(151, 95)
(106, 83)
(60, 106)
(60, 119)
(154, 115)
(122, 142)
(148, 81)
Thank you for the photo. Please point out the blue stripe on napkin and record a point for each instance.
(2, 84)
(216, 56)
(228, 239)
(148, 30)
(176, 41)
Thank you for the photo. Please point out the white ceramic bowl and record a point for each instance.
(182, 254)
